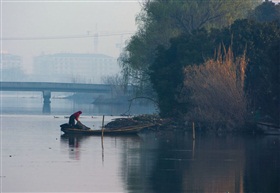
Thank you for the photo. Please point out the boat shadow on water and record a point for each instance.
(77, 143)
(72, 140)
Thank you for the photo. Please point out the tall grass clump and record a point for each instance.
(216, 90)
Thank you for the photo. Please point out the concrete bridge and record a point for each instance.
(48, 87)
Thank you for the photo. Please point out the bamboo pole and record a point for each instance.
(102, 131)
(103, 125)
(193, 148)
(193, 129)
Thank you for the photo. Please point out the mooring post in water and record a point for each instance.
(102, 130)
(193, 130)
(193, 148)
(102, 125)
(193, 136)
(102, 139)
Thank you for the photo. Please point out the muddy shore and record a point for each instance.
(172, 124)
(156, 122)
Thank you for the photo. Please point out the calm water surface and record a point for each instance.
(32, 103)
(37, 157)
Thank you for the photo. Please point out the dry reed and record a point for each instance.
(217, 91)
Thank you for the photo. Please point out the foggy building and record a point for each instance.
(11, 67)
(73, 67)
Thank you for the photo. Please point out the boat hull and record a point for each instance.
(106, 132)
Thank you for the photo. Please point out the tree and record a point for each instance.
(261, 40)
(166, 73)
(161, 20)
(118, 86)
(266, 12)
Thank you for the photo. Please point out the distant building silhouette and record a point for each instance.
(74, 67)
(11, 67)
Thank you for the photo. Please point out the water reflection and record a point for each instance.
(262, 168)
(36, 160)
(174, 163)
(46, 108)
(35, 105)
(73, 142)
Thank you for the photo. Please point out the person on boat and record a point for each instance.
(73, 117)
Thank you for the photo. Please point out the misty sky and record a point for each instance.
(64, 20)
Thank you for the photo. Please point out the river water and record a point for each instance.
(37, 157)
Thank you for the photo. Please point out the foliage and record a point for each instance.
(118, 85)
(166, 77)
(217, 94)
(173, 35)
(162, 20)
(261, 40)
(166, 73)
(266, 12)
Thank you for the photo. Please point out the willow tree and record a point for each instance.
(161, 20)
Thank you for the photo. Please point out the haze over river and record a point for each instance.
(37, 157)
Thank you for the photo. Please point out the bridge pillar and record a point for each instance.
(47, 96)
(46, 108)
(47, 101)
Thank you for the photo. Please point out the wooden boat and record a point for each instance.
(269, 128)
(131, 130)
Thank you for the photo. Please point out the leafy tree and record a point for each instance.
(166, 73)
(162, 20)
(261, 40)
(266, 12)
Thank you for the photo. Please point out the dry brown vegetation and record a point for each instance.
(217, 95)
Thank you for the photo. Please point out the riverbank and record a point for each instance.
(158, 123)
(175, 124)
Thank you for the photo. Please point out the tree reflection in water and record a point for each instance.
(262, 169)
(167, 163)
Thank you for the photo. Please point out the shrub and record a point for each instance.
(217, 91)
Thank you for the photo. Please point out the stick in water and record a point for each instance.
(193, 131)
(102, 130)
